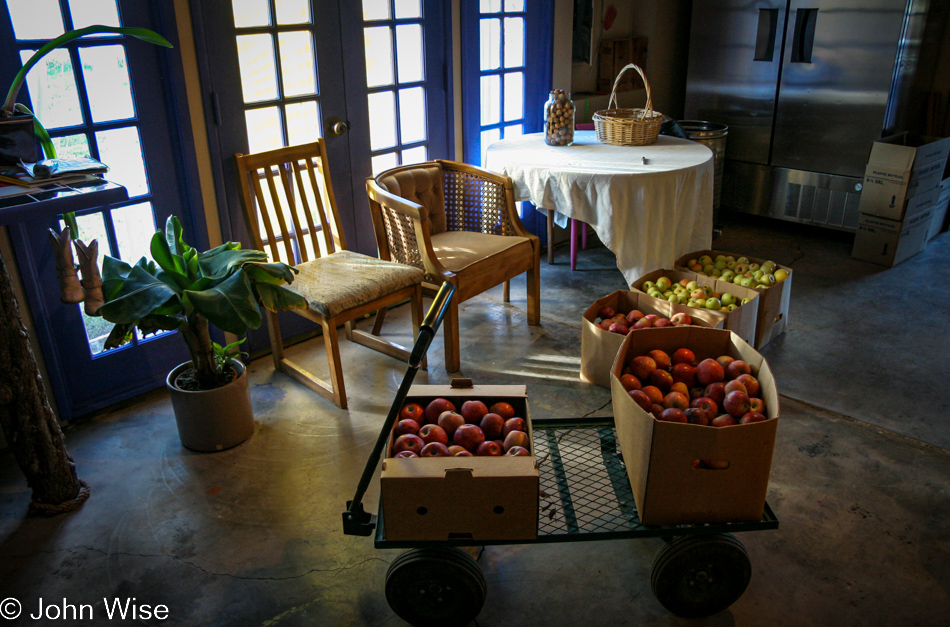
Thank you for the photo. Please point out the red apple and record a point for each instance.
(680, 387)
(503, 409)
(455, 449)
(684, 373)
(450, 421)
(725, 360)
(709, 371)
(673, 415)
(406, 426)
(517, 451)
(492, 425)
(715, 391)
(463, 453)
(708, 405)
(435, 449)
(643, 323)
(412, 411)
(724, 420)
(433, 433)
(737, 367)
(696, 416)
(654, 393)
(659, 323)
(683, 355)
(620, 319)
(732, 386)
(516, 438)
(656, 409)
(500, 443)
(681, 319)
(661, 379)
(408, 442)
(513, 424)
(616, 327)
(405, 454)
(696, 392)
(652, 317)
(488, 448)
(752, 416)
(436, 407)
(473, 411)
(633, 316)
(660, 358)
(757, 404)
(676, 400)
(641, 399)
(642, 366)
(606, 312)
(736, 403)
(751, 384)
(630, 382)
(469, 436)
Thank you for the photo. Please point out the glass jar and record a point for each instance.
(559, 119)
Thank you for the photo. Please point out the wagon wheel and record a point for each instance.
(437, 586)
(700, 575)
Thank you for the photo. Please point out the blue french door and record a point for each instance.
(370, 77)
(107, 97)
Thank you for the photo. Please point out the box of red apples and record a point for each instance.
(772, 320)
(696, 414)
(599, 344)
(469, 470)
(741, 320)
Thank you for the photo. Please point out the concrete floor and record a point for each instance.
(252, 536)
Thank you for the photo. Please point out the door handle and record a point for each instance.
(804, 38)
(765, 35)
(336, 127)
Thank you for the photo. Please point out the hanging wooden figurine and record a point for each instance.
(70, 290)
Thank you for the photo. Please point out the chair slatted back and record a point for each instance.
(288, 203)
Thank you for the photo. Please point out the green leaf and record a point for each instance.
(279, 298)
(120, 334)
(114, 273)
(230, 305)
(141, 293)
(276, 273)
(154, 323)
(164, 255)
(221, 262)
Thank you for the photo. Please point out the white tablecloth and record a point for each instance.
(647, 204)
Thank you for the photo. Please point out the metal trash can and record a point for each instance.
(713, 135)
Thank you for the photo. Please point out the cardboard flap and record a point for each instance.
(892, 156)
(458, 475)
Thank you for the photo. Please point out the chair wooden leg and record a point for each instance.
(451, 324)
(276, 342)
(506, 292)
(378, 321)
(534, 293)
(332, 343)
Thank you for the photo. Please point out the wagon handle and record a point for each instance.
(356, 521)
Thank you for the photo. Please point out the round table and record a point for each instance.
(647, 204)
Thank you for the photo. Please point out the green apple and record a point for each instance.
(720, 265)
(696, 267)
(683, 298)
(673, 298)
(647, 286)
(716, 273)
(655, 293)
(731, 264)
(706, 260)
(758, 274)
(691, 262)
(731, 307)
(719, 258)
(708, 268)
(728, 299)
(713, 303)
(692, 286)
(708, 289)
(663, 284)
(780, 275)
(747, 281)
(741, 268)
(767, 279)
(745, 301)
(727, 275)
(742, 260)
(731, 259)
(753, 267)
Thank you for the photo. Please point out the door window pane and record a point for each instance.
(515, 130)
(73, 146)
(26, 23)
(514, 96)
(250, 13)
(379, 56)
(407, 9)
(412, 115)
(490, 46)
(490, 99)
(303, 123)
(414, 155)
(121, 150)
(258, 71)
(514, 42)
(88, 12)
(489, 6)
(382, 122)
(297, 63)
(514, 5)
(52, 86)
(106, 75)
(409, 52)
(381, 163)
(375, 10)
(292, 11)
(488, 138)
(263, 129)
(134, 226)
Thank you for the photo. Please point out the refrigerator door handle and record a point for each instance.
(804, 38)
(765, 35)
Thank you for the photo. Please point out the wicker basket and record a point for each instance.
(628, 127)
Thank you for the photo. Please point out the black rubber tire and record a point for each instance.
(697, 576)
(435, 587)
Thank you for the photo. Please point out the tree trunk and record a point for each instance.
(28, 422)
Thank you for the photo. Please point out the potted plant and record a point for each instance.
(187, 291)
(19, 128)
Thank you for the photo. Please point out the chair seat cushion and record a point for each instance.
(345, 279)
(459, 250)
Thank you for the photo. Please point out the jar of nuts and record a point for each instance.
(559, 119)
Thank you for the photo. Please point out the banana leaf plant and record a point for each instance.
(181, 289)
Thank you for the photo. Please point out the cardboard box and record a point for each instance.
(599, 347)
(772, 320)
(899, 168)
(741, 320)
(889, 242)
(668, 487)
(467, 498)
(939, 221)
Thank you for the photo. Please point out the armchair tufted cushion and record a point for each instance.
(423, 186)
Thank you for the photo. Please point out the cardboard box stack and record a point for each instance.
(901, 188)
(465, 498)
(599, 346)
(772, 320)
(939, 223)
(666, 461)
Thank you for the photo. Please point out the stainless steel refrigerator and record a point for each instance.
(805, 87)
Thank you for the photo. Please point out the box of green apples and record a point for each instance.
(774, 281)
(738, 304)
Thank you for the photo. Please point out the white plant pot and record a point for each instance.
(212, 420)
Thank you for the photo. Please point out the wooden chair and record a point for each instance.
(458, 223)
(289, 207)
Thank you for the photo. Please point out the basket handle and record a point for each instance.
(611, 104)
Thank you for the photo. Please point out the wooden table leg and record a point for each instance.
(550, 237)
